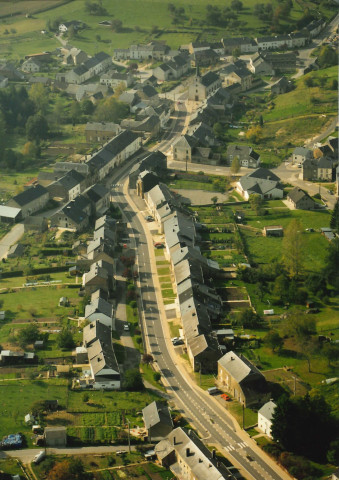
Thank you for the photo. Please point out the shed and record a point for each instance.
(273, 231)
(9, 214)
(55, 436)
(38, 344)
(2, 315)
(81, 355)
(29, 419)
(63, 302)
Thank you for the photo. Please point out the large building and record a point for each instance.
(203, 86)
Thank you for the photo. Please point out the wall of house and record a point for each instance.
(264, 425)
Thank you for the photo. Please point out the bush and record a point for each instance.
(156, 376)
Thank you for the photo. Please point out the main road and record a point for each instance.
(204, 413)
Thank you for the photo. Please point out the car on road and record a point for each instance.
(126, 327)
(159, 245)
(149, 218)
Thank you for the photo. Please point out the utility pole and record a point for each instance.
(243, 416)
(129, 437)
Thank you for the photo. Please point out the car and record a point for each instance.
(174, 339)
(149, 218)
(226, 397)
(159, 245)
(178, 342)
(126, 327)
(213, 390)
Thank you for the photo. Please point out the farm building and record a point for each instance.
(273, 231)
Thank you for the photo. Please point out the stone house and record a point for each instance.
(239, 377)
(300, 154)
(30, 201)
(158, 421)
(101, 131)
(237, 74)
(274, 43)
(281, 86)
(113, 79)
(70, 217)
(262, 182)
(67, 187)
(299, 199)
(246, 155)
(203, 86)
(245, 45)
(31, 66)
(99, 197)
(182, 148)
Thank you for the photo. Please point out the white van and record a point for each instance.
(39, 457)
(212, 390)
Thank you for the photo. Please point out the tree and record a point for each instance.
(75, 112)
(334, 222)
(280, 288)
(28, 335)
(293, 248)
(218, 130)
(214, 199)
(316, 284)
(87, 107)
(147, 358)
(65, 339)
(261, 121)
(156, 376)
(333, 452)
(36, 128)
(330, 352)
(236, 5)
(133, 380)
(256, 203)
(248, 318)
(111, 110)
(298, 421)
(38, 94)
(254, 134)
(31, 150)
(274, 341)
(116, 25)
(235, 166)
(331, 268)
(119, 90)
(85, 397)
(334, 84)
(72, 469)
(327, 57)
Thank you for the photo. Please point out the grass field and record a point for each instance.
(145, 14)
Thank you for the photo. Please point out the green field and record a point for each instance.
(139, 19)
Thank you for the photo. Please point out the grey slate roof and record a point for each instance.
(297, 194)
(267, 410)
(209, 78)
(238, 366)
(99, 305)
(96, 192)
(30, 195)
(96, 330)
(156, 413)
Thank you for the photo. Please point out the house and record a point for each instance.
(113, 79)
(155, 162)
(299, 39)
(265, 63)
(55, 436)
(237, 73)
(9, 71)
(265, 416)
(101, 310)
(204, 58)
(299, 199)
(30, 201)
(152, 50)
(246, 155)
(281, 86)
(148, 127)
(203, 134)
(75, 56)
(262, 182)
(300, 154)
(101, 131)
(146, 181)
(16, 250)
(188, 458)
(172, 69)
(99, 197)
(276, 42)
(3, 81)
(203, 86)
(158, 421)
(239, 377)
(32, 65)
(9, 214)
(97, 277)
(182, 148)
(97, 339)
(71, 217)
(244, 44)
(100, 249)
(325, 169)
(273, 231)
(67, 187)
(91, 67)
(35, 224)
(64, 27)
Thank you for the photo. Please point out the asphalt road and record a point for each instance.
(206, 415)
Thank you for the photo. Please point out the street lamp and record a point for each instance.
(199, 364)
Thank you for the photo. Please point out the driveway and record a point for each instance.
(10, 239)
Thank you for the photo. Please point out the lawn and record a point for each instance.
(193, 185)
(152, 15)
(11, 183)
(18, 396)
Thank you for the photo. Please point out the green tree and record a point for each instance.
(133, 380)
(28, 335)
(254, 134)
(330, 352)
(65, 339)
(327, 57)
(333, 452)
(31, 150)
(298, 421)
(235, 165)
(75, 112)
(39, 95)
(87, 107)
(248, 318)
(280, 288)
(331, 268)
(218, 130)
(236, 5)
(214, 199)
(334, 222)
(274, 341)
(117, 25)
(111, 110)
(156, 376)
(256, 203)
(36, 128)
(293, 248)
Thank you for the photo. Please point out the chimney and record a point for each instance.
(187, 452)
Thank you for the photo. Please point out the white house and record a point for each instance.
(261, 182)
(265, 415)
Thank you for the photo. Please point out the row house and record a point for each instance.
(113, 79)
(68, 186)
(101, 131)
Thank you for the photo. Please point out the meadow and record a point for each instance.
(142, 21)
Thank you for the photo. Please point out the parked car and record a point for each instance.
(149, 218)
(126, 327)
